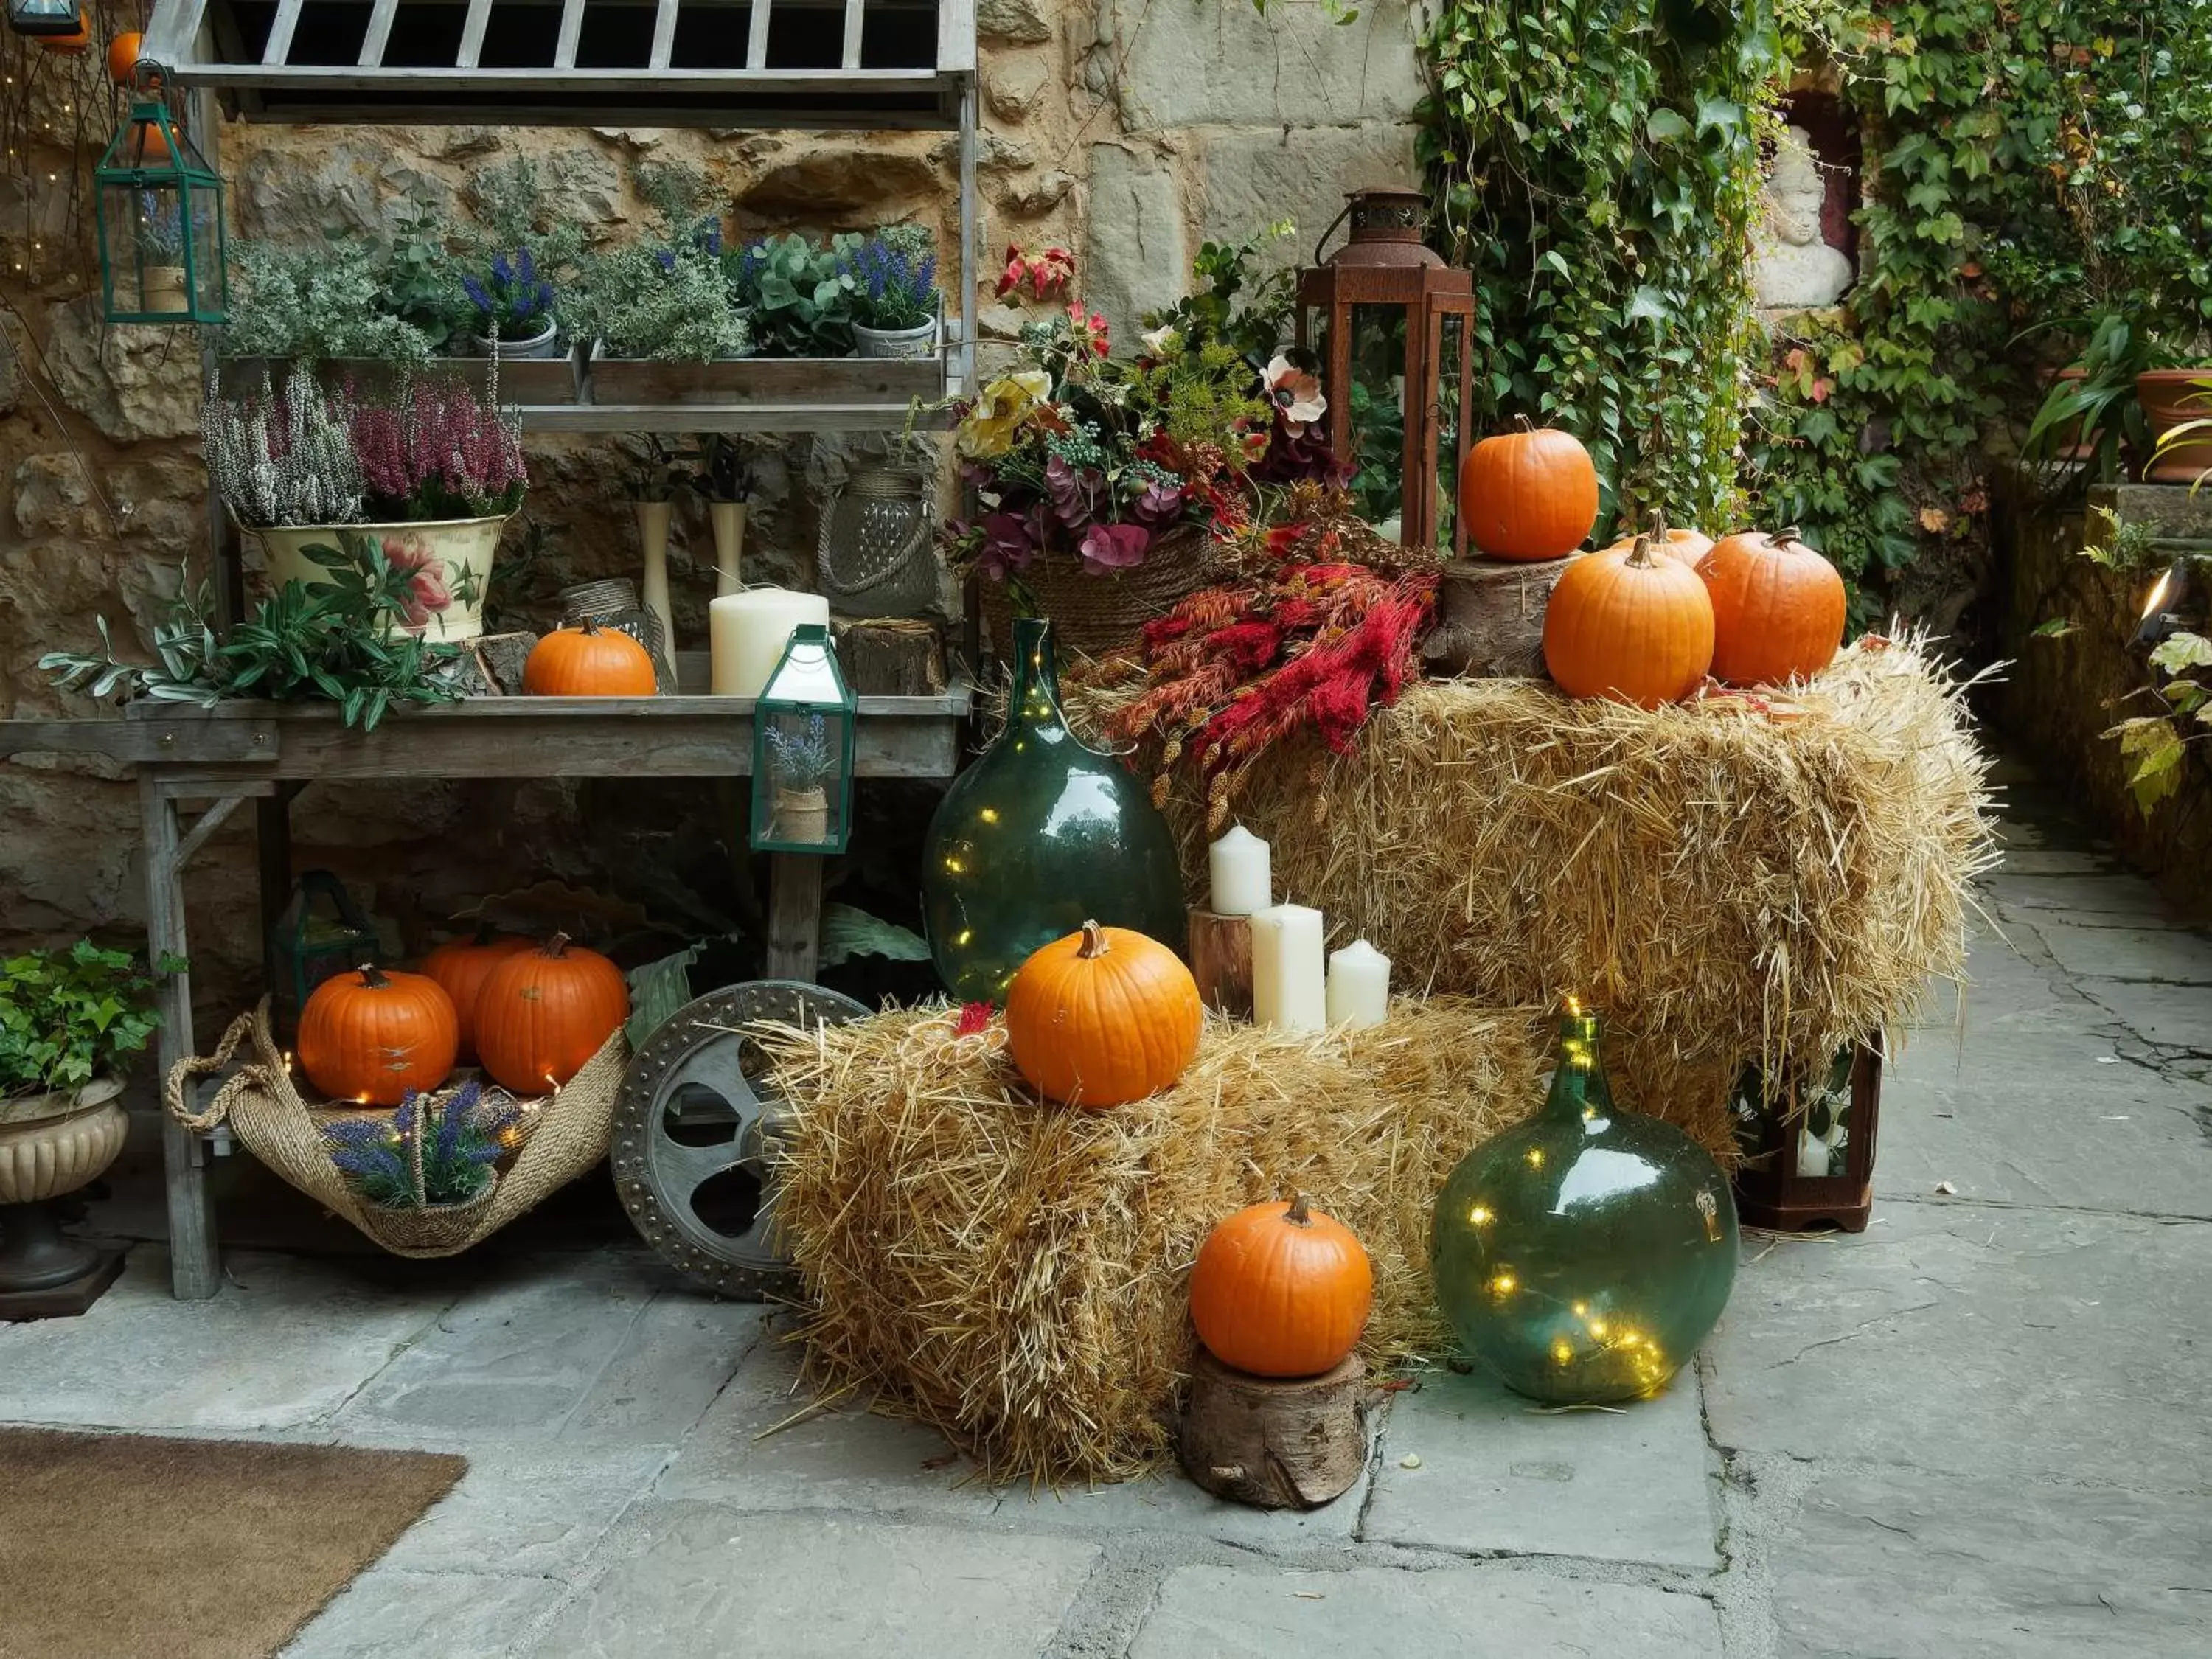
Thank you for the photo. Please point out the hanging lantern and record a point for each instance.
(320, 934)
(1807, 1140)
(1584, 1254)
(803, 751)
(1391, 324)
(47, 19)
(161, 257)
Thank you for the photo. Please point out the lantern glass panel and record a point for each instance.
(159, 217)
(48, 17)
(1450, 354)
(1378, 414)
(803, 751)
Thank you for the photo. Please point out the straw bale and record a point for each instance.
(1014, 1273)
(1728, 883)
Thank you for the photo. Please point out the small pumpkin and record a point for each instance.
(1778, 608)
(1629, 625)
(543, 1013)
(1103, 1017)
(1683, 546)
(588, 661)
(372, 1035)
(1529, 493)
(123, 52)
(1281, 1290)
(462, 965)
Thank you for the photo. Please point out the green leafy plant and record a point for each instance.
(797, 294)
(1233, 303)
(332, 299)
(2154, 745)
(671, 303)
(67, 1017)
(340, 640)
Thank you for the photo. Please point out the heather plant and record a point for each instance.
(437, 450)
(283, 461)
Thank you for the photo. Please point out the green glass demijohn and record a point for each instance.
(1041, 835)
(1584, 1254)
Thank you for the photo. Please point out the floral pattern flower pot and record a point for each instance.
(451, 559)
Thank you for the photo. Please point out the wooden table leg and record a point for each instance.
(194, 1270)
(794, 915)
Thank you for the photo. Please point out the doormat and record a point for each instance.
(122, 1546)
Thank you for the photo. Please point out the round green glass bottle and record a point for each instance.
(1584, 1254)
(1041, 835)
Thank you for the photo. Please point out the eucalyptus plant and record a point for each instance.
(798, 294)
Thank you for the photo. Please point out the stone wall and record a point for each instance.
(1129, 130)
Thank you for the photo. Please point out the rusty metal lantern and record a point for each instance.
(1392, 326)
(1807, 1139)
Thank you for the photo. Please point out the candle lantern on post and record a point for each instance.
(1391, 326)
(803, 751)
(161, 257)
(48, 18)
(1807, 1139)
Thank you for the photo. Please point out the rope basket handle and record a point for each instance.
(193, 1066)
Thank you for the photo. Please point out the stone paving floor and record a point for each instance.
(1978, 1428)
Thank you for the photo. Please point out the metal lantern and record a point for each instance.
(321, 933)
(878, 552)
(803, 751)
(161, 257)
(1392, 326)
(1807, 1140)
(45, 17)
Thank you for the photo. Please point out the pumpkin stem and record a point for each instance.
(1522, 423)
(1659, 525)
(1640, 554)
(555, 946)
(373, 976)
(1094, 942)
(588, 627)
(1783, 537)
(1298, 1215)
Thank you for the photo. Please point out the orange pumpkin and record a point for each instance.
(543, 1013)
(1627, 625)
(122, 58)
(69, 45)
(1778, 608)
(373, 1036)
(588, 661)
(462, 965)
(1684, 546)
(1103, 1017)
(1280, 1290)
(1529, 493)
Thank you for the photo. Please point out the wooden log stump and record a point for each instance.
(491, 665)
(1490, 619)
(890, 656)
(1221, 962)
(1275, 1443)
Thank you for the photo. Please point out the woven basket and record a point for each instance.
(568, 1133)
(1100, 616)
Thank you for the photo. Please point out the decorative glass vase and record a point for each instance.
(1041, 835)
(1584, 1254)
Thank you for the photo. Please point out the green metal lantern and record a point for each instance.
(1584, 1254)
(50, 19)
(161, 257)
(803, 751)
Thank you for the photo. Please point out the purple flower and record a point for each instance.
(1077, 492)
(1160, 505)
(666, 258)
(1110, 547)
(1010, 541)
(478, 297)
(501, 272)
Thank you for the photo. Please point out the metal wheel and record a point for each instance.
(692, 1132)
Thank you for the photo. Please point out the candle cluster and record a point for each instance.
(1289, 989)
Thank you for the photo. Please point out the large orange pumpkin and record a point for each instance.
(1529, 493)
(1103, 1017)
(462, 965)
(1280, 1290)
(1683, 546)
(371, 1036)
(1778, 608)
(587, 661)
(122, 58)
(1627, 625)
(543, 1013)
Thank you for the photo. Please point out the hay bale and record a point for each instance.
(1726, 885)
(1014, 1273)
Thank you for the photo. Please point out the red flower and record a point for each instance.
(974, 1017)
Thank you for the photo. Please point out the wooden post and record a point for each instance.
(794, 915)
(195, 1273)
(1274, 1443)
(1490, 619)
(1221, 962)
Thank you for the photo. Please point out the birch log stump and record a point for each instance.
(1490, 619)
(1274, 1443)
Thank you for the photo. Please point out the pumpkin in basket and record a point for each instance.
(1103, 1017)
(588, 661)
(371, 1036)
(543, 1013)
(1281, 1290)
(1530, 494)
(462, 965)
(1629, 625)
(1778, 608)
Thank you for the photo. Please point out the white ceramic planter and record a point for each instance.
(919, 342)
(451, 559)
(543, 345)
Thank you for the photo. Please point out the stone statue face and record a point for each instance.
(1793, 269)
(1794, 190)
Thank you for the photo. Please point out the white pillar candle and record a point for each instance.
(1812, 1153)
(1241, 880)
(750, 630)
(1358, 985)
(1288, 990)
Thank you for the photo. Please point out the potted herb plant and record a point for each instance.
(894, 299)
(430, 471)
(804, 761)
(162, 243)
(643, 308)
(70, 1021)
(512, 307)
(797, 294)
(426, 1172)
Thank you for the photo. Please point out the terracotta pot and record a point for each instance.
(2169, 397)
(53, 1144)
